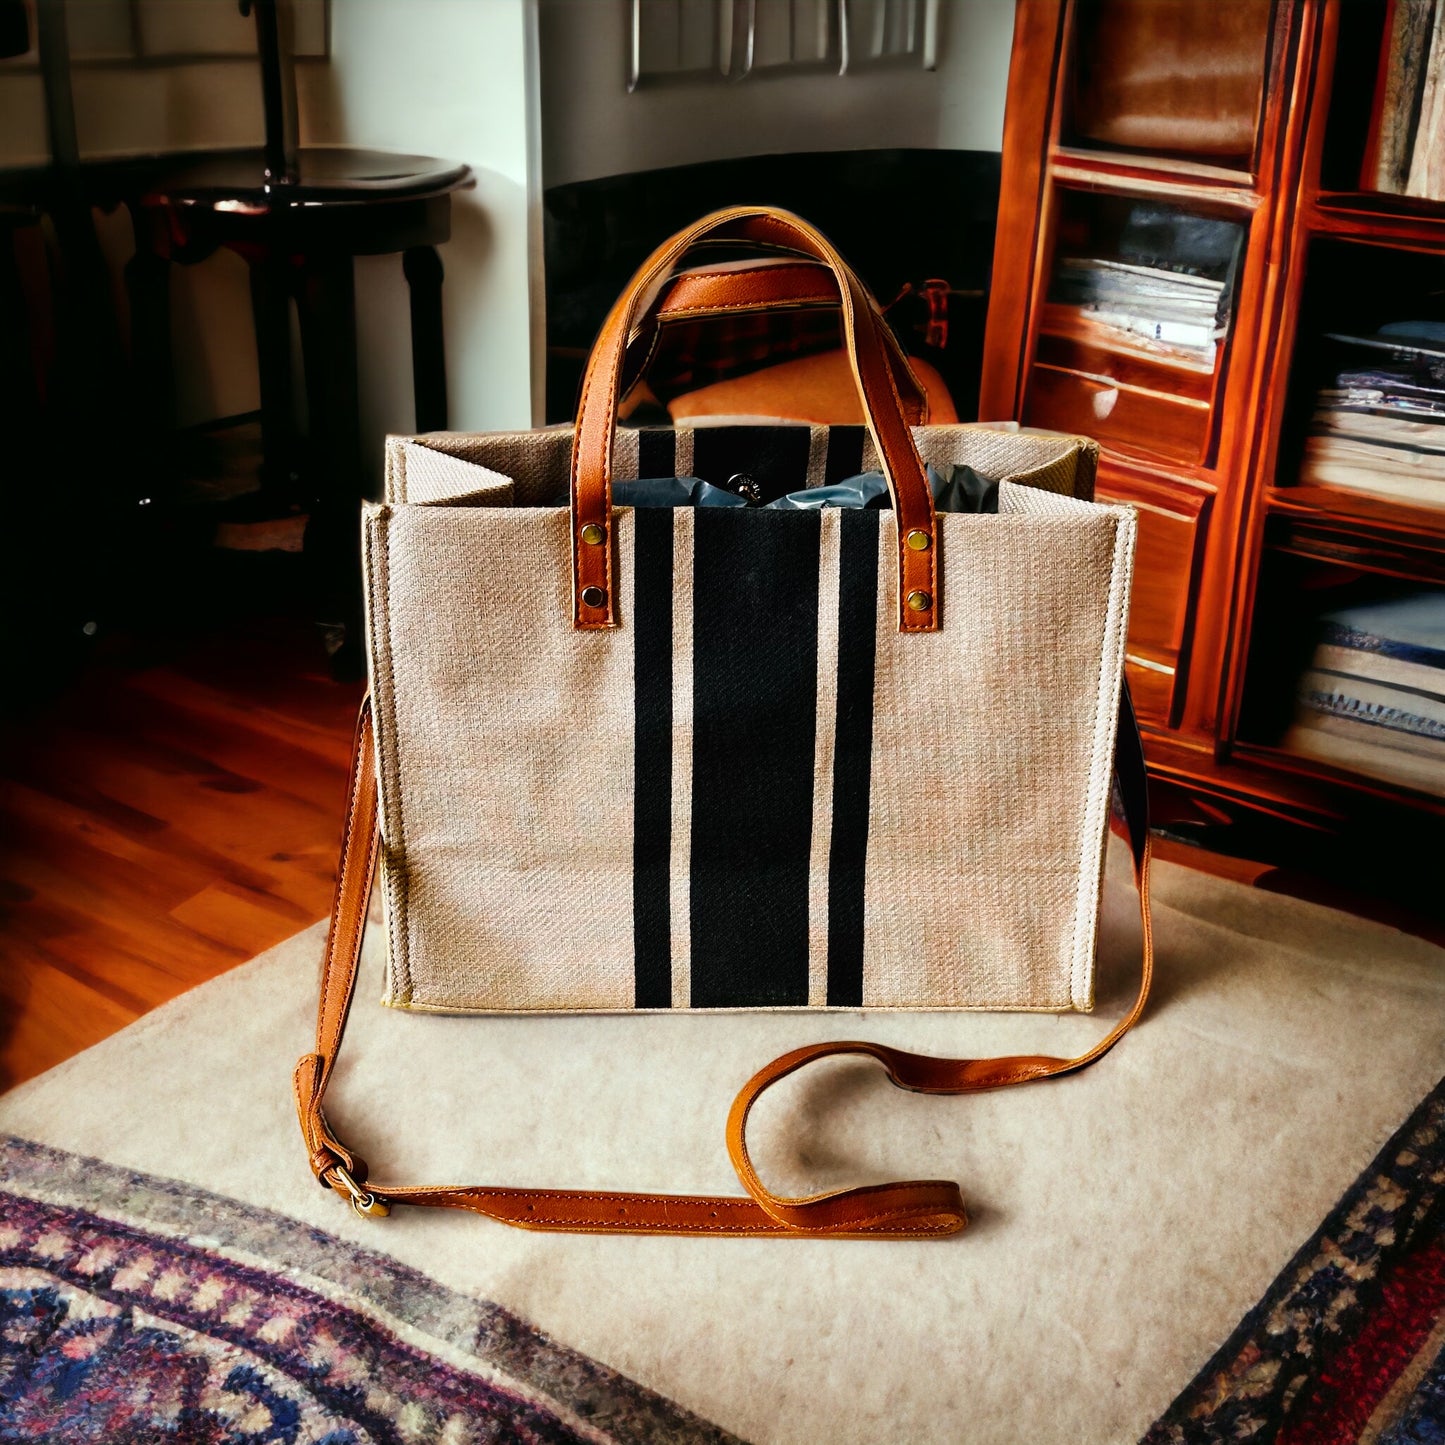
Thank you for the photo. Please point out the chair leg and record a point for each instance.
(423, 269)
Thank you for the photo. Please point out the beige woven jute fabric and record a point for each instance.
(755, 792)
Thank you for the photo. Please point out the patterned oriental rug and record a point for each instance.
(1348, 1343)
(1231, 1230)
(261, 1329)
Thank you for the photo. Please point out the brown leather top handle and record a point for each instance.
(920, 600)
(907, 1210)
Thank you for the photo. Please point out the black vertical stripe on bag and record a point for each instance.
(652, 735)
(755, 705)
(773, 458)
(852, 754)
(844, 457)
(656, 451)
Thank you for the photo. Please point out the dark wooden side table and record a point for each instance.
(20, 387)
(299, 236)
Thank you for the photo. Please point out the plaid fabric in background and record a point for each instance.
(691, 354)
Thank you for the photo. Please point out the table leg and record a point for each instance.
(148, 288)
(271, 313)
(327, 307)
(19, 382)
(423, 268)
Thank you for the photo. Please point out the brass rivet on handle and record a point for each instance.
(918, 541)
(592, 534)
(917, 601)
(593, 597)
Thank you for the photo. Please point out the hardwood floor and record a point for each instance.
(167, 817)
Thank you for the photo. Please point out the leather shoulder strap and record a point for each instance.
(910, 1209)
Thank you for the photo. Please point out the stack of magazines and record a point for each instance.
(1373, 698)
(1168, 280)
(1381, 427)
(1169, 307)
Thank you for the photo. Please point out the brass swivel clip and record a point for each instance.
(363, 1201)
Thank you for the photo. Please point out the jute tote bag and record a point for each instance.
(621, 759)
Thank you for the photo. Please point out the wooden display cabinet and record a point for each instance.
(1253, 115)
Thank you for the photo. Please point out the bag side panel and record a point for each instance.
(1110, 681)
(537, 463)
(505, 750)
(420, 473)
(985, 811)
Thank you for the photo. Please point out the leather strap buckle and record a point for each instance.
(366, 1204)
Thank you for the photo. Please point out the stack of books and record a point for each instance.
(1373, 698)
(1406, 154)
(1168, 280)
(1381, 427)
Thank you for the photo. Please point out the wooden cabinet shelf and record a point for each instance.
(1158, 175)
(1362, 513)
(1147, 401)
(1133, 308)
(1354, 530)
(1371, 217)
(1300, 794)
(1135, 420)
(1180, 84)
(1130, 359)
(1329, 777)
(1240, 568)
(1133, 181)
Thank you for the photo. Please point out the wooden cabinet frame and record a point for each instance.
(1241, 516)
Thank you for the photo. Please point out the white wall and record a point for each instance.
(121, 111)
(592, 127)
